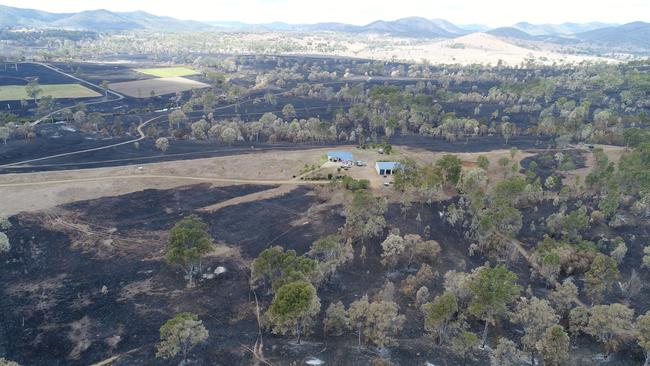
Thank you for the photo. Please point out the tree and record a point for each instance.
(422, 295)
(513, 152)
(79, 117)
(507, 129)
(503, 163)
(554, 347)
(179, 335)
(364, 216)
(383, 322)
(609, 204)
(643, 335)
(438, 314)
(632, 286)
(176, 117)
(451, 167)
(333, 252)
(563, 296)
(578, 321)
(423, 277)
(336, 319)
(536, 316)
(464, 344)
(392, 249)
(377, 322)
(483, 162)
(358, 313)
(5, 133)
(45, 105)
(229, 135)
(275, 267)
(506, 353)
(5, 224)
(189, 241)
(646, 257)
(288, 111)
(619, 251)
(293, 309)
(200, 129)
(162, 144)
(492, 290)
(600, 277)
(5, 246)
(611, 325)
(5, 362)
(33, 89)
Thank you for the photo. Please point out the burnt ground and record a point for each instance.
(57, 314)
(547, 164)
(61, 259)
(98, 72)
(128, 154)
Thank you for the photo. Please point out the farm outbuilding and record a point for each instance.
(339, 156)
(386, 167)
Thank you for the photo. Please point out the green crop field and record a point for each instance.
(165, 72)
(57, 91)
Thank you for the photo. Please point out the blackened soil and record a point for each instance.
(57, 314)
(128, 154)
(54, 312)
(547, 164)
(471, 144)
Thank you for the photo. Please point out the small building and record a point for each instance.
(386, 167)
(339, 156)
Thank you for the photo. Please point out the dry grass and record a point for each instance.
(80, 335)
(155, 87)
(613, 153)
(164, 72)
(270, 165)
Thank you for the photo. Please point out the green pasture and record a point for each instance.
(57, 91)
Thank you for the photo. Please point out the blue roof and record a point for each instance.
(387, 165)
(343, 155)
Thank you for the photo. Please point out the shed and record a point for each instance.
(386, 167)
(338, 156)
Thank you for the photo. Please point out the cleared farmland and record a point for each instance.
(164, 72)
(57, 91)
(155, 87)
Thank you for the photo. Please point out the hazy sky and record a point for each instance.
(491, 12)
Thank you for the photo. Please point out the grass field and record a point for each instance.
(165, 72)
(159, 86)
(57, 91)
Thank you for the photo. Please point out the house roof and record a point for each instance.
(387, 165)
(343, 155)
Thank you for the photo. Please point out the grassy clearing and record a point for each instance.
(164, 72)
(57, 91)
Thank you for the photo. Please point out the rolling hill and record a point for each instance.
(634, 36)
(563, 29)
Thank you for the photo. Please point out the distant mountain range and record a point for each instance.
(563, 29)
(94, 20)
(635, 34)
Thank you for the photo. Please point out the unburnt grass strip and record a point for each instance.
(164, 72)
(57, 91)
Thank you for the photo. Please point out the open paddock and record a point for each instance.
(160, 86)
(165, 72)
(56, 91)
